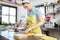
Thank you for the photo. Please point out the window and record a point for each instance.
(5, 12)
(12, 11)
(5, 19)
(8, 14)
(12, 15)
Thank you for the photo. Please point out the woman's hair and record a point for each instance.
(25, 3)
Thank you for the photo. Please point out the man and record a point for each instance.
(34, 18)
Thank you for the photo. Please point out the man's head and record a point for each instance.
(27, 5)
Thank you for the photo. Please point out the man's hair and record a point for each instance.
(25, 3)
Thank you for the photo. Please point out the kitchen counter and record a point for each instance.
(54, 32)
(3, 38)
(9, 35)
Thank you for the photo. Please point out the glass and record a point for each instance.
(5, 10)
(12, 19)
(12, 11)
(5, 19)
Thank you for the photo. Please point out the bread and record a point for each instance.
(27, 37)
(20, 37)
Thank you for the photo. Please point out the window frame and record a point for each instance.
(9, 8)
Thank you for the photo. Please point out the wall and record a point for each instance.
(21, 12)
(38, 2)
(57, 17)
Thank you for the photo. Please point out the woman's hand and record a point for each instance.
(27, 30)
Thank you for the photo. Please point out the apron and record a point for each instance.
(31, 22)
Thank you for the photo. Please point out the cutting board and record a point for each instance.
(33, 37)
(27, 37)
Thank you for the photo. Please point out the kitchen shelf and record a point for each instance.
(53, 13)
(10, 2)
(53, 4)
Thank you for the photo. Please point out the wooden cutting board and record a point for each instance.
(32, 37)
(20, 36)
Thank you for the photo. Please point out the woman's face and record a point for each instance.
(27, 6)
